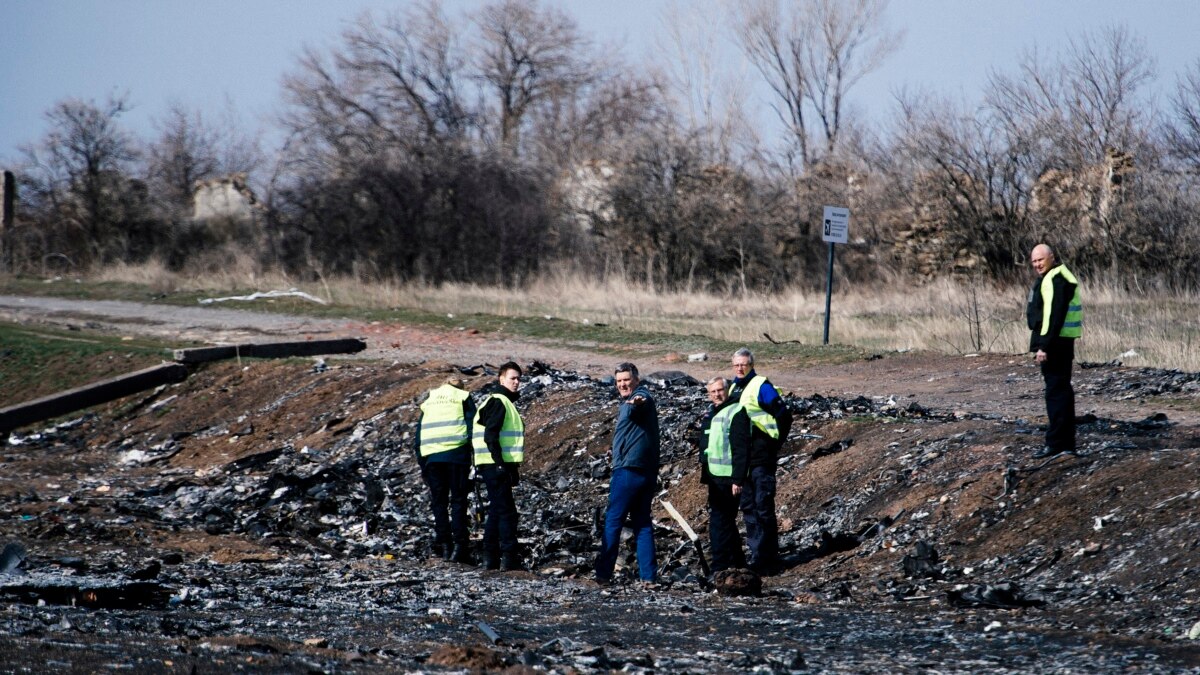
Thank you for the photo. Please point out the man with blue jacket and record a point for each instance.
(770, 422)
(634, 476)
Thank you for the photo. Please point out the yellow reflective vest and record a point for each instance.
(512, 434)
(443, 426)
(719, 454)
(758, 417)
(1073, 325)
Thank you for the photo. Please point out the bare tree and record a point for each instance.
(811, 54)
(708, 95)
(188, 148)
(1183, 132)
(958, 171)
(527, 54)
(1074, 110)
(595, 119)
(394, 86)
(1078, 124)
(185, 151)
(79, 175)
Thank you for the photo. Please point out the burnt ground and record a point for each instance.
(268, 516)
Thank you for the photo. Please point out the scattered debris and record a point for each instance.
(996, 596)
(922, 563)
(832, 448)
(266, 294)
(691, 535)
(266, 494)
(11, 558)
(738, 582)
(488, 632)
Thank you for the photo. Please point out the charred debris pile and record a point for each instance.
(880, 501)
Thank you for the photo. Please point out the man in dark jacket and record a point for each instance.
(634, 476)
(498, 437)
(1054, 314)
(771, 421)
(724, 468)
(443, 449)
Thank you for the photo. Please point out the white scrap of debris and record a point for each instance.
(268, 294)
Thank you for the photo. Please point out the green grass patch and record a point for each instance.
(37, 361)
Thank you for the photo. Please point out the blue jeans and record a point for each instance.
(629, 494)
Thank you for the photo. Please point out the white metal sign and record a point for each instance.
(836, 228)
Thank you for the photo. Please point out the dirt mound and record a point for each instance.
(275, 490)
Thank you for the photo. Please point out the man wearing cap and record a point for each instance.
(443, 448)
(498, 437)
(1054, 314)
(770, 422)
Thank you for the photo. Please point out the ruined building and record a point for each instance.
(1075, 208)
(228, 197)
(1080, 209)
(586, 193)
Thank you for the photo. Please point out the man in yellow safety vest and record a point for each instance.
(724, 468)
(498, 437)
(770, 422)
(444, 453)
(1054, 313)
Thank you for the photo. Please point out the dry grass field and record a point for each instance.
(1151, 328)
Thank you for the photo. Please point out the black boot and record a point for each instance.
(441, 550)
(491, 560)
(1044, 452)
(511, 562)
(461, 553)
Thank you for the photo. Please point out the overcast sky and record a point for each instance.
(213, 54)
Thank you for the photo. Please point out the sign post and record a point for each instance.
(836, 230)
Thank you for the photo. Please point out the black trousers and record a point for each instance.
(723, 537)
(1060, 396)
(448, 487)
(758, 510)
(500, 530)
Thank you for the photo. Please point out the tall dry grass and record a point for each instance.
(1160, 329)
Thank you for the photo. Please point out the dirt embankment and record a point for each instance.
(907, 499)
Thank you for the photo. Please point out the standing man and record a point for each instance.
(724, 468)
(634, 476)
(499, 440)
(770, 421)
(444, 453)
(1055, 317)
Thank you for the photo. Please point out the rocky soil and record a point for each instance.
(268, 516)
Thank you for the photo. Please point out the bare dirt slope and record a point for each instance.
(270, 515)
